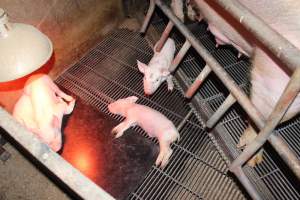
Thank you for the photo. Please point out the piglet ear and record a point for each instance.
(165, 72)
(55, 122)
(132, 99)
(141, 66)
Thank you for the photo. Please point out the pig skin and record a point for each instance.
(157, 71)
(247, 137)
(268, 77)
(41, 108)
(177, 8)
(152, 121)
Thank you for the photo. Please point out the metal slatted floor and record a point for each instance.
(197, 169)
(270, 178)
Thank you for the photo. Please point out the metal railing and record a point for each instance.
(278, 45)
(75, 180)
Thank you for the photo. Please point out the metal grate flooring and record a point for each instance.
(197, 170)
(270, 178)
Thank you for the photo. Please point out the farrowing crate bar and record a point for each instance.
(74, 179)
(279, 46)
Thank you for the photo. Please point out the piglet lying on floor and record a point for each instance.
(41, 108)
(152, 121)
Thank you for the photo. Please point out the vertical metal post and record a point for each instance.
(229, 101)
(148, 16)
(164, 36)
(185, 47)
(198, 81)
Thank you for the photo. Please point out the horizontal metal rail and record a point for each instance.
(76, 181)
(237, 94)
(277, 44)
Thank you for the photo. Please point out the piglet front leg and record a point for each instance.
(70, 106)
(170, 83)
(123, 126)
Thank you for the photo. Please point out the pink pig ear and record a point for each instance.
(165, 72)
(132, 99)
(141, 66)
(55, 121)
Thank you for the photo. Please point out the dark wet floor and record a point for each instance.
(117, 165)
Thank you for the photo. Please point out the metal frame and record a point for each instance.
(279, 46)
(75, 180)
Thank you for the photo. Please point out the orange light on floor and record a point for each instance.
(83, 162)
(82, 145)
(82, 154)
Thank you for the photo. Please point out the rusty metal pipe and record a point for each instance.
(180, 55)
(290, 93)
(246, 183)
(159, 45)
(81, 185)
(280, 146)
(229, 101)
(198, 81)
(277, 44)
(148, 16)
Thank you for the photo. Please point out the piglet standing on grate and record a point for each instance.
(41, 108)
(152, 121)
(157, 71)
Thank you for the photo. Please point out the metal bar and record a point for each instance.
(81, 185)
(184, 49)
(229, 101)
(148, 17)
(246, 183)
(277, 44)
(159, 45)
(198, 81)
(280, 146)
(180, 126)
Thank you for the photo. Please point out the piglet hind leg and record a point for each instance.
(164, 155)
(123, 126)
